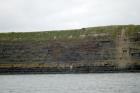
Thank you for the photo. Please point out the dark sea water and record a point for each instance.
(71, 83)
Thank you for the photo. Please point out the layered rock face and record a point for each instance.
(99, 49)
(58, 52)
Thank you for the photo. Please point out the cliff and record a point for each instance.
(86, 50)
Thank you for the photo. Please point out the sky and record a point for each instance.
(45, 15)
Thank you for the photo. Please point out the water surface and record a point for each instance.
(71, 83)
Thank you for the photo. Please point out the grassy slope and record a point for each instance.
(64, 34)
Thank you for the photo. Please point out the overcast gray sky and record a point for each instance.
(36, 15)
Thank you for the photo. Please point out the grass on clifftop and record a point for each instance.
(65, 34)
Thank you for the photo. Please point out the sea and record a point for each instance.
(71, 83)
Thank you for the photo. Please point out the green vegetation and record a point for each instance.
(132, 29)
(67, 34)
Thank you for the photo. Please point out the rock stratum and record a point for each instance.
(87, 50)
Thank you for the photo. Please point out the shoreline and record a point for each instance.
(84, 70)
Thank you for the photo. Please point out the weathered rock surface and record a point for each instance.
(101, 49)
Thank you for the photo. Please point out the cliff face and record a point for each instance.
(57, 51)
(110, 48)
